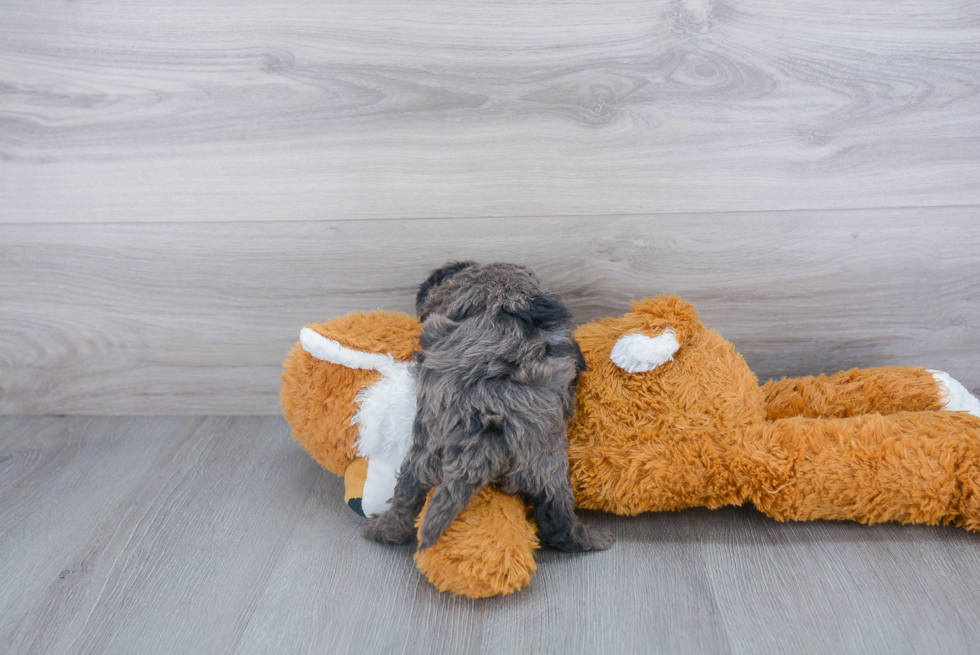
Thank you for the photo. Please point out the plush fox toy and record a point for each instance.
(668, 416)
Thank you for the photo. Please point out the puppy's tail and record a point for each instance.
(447, 502)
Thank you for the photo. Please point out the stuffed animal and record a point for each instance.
(668, 416)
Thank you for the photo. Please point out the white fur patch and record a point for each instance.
(386, 414)
(379, 487)
(384, 424)
(331, 351)
(956, 397)
(638, 353)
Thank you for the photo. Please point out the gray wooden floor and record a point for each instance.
(219, 535)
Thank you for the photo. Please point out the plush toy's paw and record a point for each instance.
(388, 529)
(955, 397)
(582, 539)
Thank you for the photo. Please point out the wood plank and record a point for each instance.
(650, 593)
(175, 564)
(183, 318)
(59, 478)
(232, 111)
(167, 534)
(839, 587)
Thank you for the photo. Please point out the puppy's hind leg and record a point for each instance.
(548, 488)
(449, 499)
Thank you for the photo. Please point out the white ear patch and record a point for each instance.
(331, 351)
(956, 397)
(638, 353)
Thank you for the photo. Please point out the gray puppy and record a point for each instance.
(496, 386)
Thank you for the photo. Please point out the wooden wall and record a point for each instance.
(184, 184)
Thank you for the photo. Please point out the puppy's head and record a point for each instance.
(460, 290)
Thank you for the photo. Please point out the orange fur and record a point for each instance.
(882, 390)
(487, 551)
(865, 445)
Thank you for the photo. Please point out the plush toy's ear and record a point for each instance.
(332, 351)
(638, 353)
(378, 332)
(652, 316)
(653, 332)
(640, 340)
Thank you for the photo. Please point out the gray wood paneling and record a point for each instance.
(164, 535)
(239, 111)
(194, 318)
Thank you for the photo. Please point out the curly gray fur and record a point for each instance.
(496, 386)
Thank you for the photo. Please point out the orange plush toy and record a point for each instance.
(669, 416)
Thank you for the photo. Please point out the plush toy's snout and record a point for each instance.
(354, 478)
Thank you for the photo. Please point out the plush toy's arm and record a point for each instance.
(880, 390)
(859, 391)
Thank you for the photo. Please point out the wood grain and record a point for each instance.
(166, 534)
(241, 111)
(185, 318)
(179, 548)
(59, 479)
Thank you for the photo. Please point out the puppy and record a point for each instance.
(496, 386)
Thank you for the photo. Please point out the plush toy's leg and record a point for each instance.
(487, 551)
(911, 467)
(956, 397)
(882, 390)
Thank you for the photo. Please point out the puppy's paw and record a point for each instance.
(594, 538)
(583, 539)
(386, 529)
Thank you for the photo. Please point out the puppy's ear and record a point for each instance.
(580, 364)
(436, 278)
(545, 311)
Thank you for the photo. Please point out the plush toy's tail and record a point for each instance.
(447, 502)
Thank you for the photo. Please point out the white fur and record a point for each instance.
(638, 353)
(331, 351)
(379, 486)
(956, 397)
(386, 414)
(384, 425)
